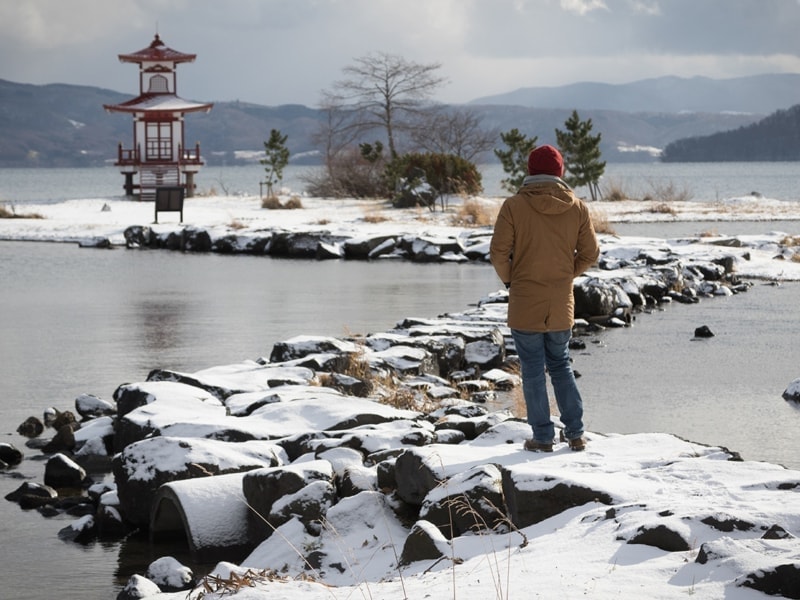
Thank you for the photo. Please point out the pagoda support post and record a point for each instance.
(189, 184)
(128, 184)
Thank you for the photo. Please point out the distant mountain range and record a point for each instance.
(65, 125)
(758, 94)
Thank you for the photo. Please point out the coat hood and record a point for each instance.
(547, 194)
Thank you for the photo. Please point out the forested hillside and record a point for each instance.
(61, 125)
(774, 138)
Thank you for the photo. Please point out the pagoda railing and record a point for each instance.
(133, 156)
(191, 155)
(127, 156)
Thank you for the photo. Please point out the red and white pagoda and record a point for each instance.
(159, 154)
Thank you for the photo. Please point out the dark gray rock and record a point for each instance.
(528, 507)
(792, 393)
(10, 454)
(703, 332)
(63, 472)
(413, 478)
(424, 542)
(475, 505)
(662, 537)
(89, 406)
(486, 354)
(138, 236)
(303, 346)
(783, 580)
(140, 469)
(62, 441)
(138, 587)
(597, 298)
(29, 489)
(308, 505)
(31, 428)
(262, 488)
(170, 575)
(364, 248)
(80, 531)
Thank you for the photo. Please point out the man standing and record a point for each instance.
(542, 240)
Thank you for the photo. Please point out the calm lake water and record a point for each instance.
(78, 320)
(697, 181)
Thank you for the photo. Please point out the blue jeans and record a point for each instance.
(550, 349)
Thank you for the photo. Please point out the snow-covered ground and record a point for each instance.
(584, 552)
(89, 219)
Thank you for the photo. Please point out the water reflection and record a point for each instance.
(162, 323)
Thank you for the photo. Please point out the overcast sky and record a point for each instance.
(276, 52)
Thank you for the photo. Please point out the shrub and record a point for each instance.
(293, 203)
(446, 173)
(348, 175)
(474, 214)
(271, 202)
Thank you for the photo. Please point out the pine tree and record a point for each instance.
(581, 152)
(515, 158)
(276, 158)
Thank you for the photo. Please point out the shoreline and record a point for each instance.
(760, 260)
(309, 347)
(371, 230)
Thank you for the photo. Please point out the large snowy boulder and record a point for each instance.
(142, 467)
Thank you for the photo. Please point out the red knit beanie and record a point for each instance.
(545, 160)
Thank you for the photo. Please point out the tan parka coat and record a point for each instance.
(543, 238)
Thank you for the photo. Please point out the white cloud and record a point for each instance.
(581, 7)
(274, 52)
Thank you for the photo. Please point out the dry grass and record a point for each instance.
(375, 217)
(386, 388)
(210, 192)
(358, 366)
(237, 224)
(274, 203)
(668, 192)
(663, 208)
(601, 223)
(518, 408)
(214, 584)
(474, 214)
(10, 213)
(293, 203)
(271, 202)
(403, 398)
(613, 192)
(373, 213)
(792, 241)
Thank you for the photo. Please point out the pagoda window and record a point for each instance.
(158, 142)
(158, 85)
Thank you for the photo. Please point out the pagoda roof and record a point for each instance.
(157, 52)
(159, 103)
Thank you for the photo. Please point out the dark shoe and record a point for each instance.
(577, 444)
(535, 446)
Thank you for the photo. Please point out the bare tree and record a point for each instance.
(386, 91)
(457, 131)
(339, 132)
